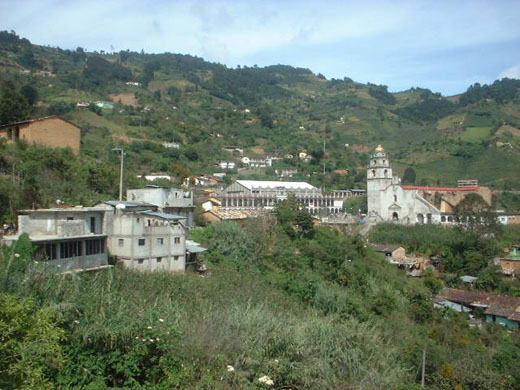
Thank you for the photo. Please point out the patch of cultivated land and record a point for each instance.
(127, 99)
(508, 129)
(475, 134)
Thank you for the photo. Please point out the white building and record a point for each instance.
(71, 238)
(227, 164)
(259, 194)
(257, 162)
(390, 201)
(144, 239)
(168, 200)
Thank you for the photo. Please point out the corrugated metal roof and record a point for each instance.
(289, 185)
(128, 203)
(194, 247)
(162, 215)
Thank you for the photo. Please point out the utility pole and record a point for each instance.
(324, 157)
(423, 366)
(121, 151)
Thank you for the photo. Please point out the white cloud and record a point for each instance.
(511, 73)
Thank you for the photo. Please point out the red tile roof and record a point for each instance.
(427, 188)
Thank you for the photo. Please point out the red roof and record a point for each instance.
(427, 188)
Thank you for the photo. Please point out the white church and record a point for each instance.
(390, 201)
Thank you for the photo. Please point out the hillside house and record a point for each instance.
(210, 203)
(168, 200)
(227, 165)
(510, 265)
(257, 161)
(501, 309)
(396, 255)
(71, 238)
(144, 239)
(49, 131)
(286, 172)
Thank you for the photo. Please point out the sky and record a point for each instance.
(442, 45)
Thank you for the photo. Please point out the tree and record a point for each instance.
(13, 107)
(29, 93)
(409, 176)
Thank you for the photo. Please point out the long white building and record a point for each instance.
(260, 194)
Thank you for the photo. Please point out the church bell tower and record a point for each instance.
(379, 178)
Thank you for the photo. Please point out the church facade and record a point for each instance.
(390, 201)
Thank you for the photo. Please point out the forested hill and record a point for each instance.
(277, 110)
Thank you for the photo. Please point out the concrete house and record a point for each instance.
(168, 200)
(142, 238)
(71, 238)
(50, 131)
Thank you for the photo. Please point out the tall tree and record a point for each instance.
(13, 106)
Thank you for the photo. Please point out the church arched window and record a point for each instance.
(395, 216)
(386, 173)
(395, 198)
(373, 173)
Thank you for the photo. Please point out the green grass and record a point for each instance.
(475, 134)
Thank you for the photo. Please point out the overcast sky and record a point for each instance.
(441, 45)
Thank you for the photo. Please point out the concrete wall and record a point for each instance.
(147, 243)
(61, 223)
(53, 132)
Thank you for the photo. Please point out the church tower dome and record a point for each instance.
(379, 166)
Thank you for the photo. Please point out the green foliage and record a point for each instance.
(429, 110)
(409, 176)
(380, 92)
(29, 344)
(13, 106)
(502, 91)
(98, 70)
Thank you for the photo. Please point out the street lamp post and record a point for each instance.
(121, 151)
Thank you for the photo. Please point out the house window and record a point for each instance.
(176, 240)
(92, 224)
(140, 261)
(95, 246)
(141, 242)
(176, 258)
(138, 220)
(50, 251)
(70, 218)
(149, 222)
(70, 249)
(121, 242)
(159, 259)
(160, 241)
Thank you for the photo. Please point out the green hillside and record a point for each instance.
(276, 110)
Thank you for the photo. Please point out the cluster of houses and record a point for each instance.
(501, 309)
(148, 232)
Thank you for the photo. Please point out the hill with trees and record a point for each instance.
(278, 110)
